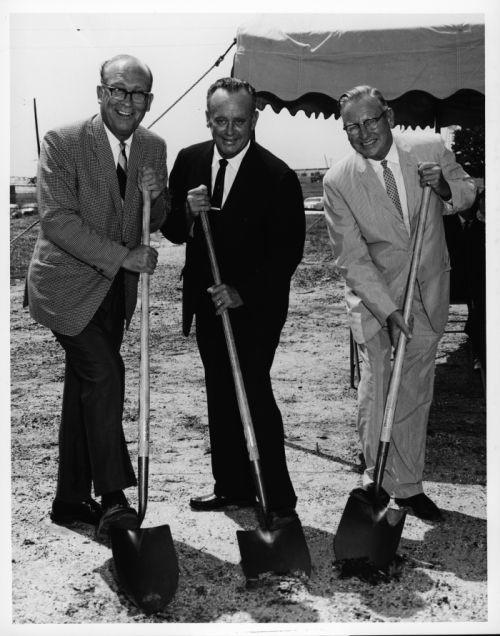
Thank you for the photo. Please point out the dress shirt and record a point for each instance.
(392, 158)
(233, 165)
(114, 142)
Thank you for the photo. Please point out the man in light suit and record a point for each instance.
(82, 281)
(258, 230)
(372, 219)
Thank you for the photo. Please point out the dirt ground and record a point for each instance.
(64, 576)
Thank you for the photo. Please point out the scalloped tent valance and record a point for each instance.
(429, 68)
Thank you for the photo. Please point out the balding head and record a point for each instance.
(122, 61)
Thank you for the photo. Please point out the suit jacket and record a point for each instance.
(372, 247)
(85, 231)
(258, 235)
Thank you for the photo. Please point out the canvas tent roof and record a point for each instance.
(429, 68)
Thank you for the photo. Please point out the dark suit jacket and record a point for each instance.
(85, 231)
(258, 234)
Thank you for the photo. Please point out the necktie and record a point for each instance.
(216, 201)
(121, 170)
(391, 187)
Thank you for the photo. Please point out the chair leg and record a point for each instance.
(470, 358)
(356, 359)
(483, 380)
(353, 361)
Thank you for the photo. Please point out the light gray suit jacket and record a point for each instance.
(85, 231)
(371, 245)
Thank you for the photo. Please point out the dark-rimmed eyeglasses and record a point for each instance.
(370, 125)
(139, 98)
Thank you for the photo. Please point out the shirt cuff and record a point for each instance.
(448, 206)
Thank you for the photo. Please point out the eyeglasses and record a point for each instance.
(370, 125)
(222, 122)
(139, 98)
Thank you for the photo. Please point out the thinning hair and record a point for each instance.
(128, 58)
(358, 92)
(232, 85)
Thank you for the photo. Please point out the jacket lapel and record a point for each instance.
(375, 191)
(132, 193)
(409, 168)
(105, 158)
(205, 166)
(242, 184)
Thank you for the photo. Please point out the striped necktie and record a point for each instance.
(121, 170)
(391, 187)
(217, 194)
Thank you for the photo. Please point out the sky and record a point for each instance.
(178, 49)
(55, 59)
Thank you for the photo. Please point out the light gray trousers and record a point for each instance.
(405, 462)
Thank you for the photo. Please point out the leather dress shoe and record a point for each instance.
(218, 502)
(65, 514)
(421, 506)
(117, 516)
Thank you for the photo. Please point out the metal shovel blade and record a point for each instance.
(146, 566)
(368, 530)
(280, 551)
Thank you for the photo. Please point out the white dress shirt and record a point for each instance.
(233, 165)
(114, 142)
(393, 163)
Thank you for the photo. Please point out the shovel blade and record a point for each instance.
(279, 551)
(368, 530)
(146, 566)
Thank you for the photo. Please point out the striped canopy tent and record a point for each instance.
(430, 68)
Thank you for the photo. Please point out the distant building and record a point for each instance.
(311, 174)
(23, 181)
(23, 190)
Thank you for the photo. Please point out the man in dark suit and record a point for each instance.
(257, 220)
(82, 281)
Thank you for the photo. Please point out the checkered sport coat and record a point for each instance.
(85, 231)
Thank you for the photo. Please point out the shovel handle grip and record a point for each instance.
(395, 381)
(241, 396)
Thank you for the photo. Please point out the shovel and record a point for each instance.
(369, 529)
(145, 559)
(283, 550)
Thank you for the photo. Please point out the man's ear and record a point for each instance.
(150, 101)
(207, 117)
(99, 94)
(390, 117)
(255, 116)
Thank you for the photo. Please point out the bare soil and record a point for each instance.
(62, 575)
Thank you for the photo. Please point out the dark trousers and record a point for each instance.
(92, 447)
(230, 463)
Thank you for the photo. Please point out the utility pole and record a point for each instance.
(36, 128)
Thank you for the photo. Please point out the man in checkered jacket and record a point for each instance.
(82, 281)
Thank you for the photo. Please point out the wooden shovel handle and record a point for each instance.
(400, 350)
(395, 381)
(144, 366)
(241, 396)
